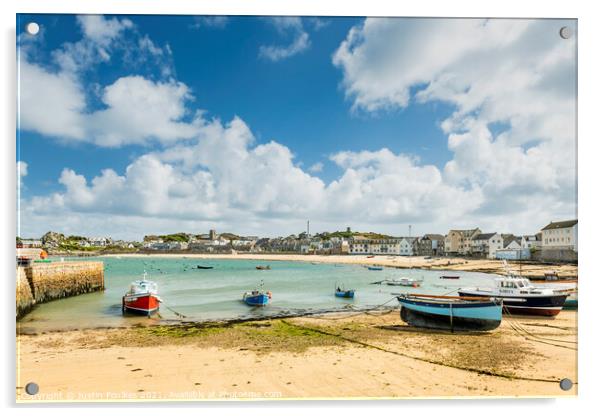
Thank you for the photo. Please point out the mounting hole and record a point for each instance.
(566, 384)
(566, 32)
(32, 28)
(32, 389)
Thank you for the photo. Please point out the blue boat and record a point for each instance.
(343, 293)
(256, 298)
(374, 268)
(450, 313)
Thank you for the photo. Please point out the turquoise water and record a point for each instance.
(297, 287)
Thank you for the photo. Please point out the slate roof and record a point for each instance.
(485, 236)
(559, 224)
(435, 237)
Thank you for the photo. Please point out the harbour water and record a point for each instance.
(215, 294)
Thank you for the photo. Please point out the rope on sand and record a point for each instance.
(426, 360)
(520, 330)
(362, 312)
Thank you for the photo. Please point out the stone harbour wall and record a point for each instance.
(57, 280)
(24, 296)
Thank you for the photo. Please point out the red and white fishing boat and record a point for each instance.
(141, 298)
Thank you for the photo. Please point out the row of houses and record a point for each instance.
(212, 242)
(556, 237)
(427, 245)
(557, 240)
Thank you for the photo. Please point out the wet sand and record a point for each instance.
(402, 262)
(330, 356)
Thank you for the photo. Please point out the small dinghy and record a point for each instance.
(375, 268)
(450, 313)
(141, 298)
(449, 277)
(204, 267)
(402, 281)
(341, 292)
(257, 297)
(263, 267)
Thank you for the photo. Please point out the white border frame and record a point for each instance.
(589, 206)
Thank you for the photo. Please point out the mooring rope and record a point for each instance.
(178, 314)
(362, 312)
(518, 328)
(426, 360)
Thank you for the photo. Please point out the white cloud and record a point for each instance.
(50, 103)
(316, 167)
(211, 174)
(100, 36)
(102, 30)
(133, 109)
(224, 177)
(215, 22)
(145, 43)
(517, 74)
(287, 26)
(137, 110)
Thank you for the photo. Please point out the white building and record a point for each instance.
(406, 246)
(487, 244)
(375, 246)
(511, 242)
(100, 241)
(560, 235)
(531, 241)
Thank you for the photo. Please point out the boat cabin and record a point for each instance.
(512, 284)
(143, 286)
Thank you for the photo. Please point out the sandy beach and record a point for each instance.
(329, 356)
(403, 262)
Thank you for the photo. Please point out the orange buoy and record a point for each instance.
(43, 255)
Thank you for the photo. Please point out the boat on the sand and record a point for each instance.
(141, 298)
(521, 297)
(451, 313)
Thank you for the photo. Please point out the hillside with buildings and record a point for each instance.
(556, 241)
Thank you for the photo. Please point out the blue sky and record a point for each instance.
(297, 101)
(350, 107)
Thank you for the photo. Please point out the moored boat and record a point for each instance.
(263, 267)
(141, 298)
(257, 297)
(449, 277)
(340, 292)
(450, 312)
(375, 268)
(521, 297)
(204, 267)
(402, 281)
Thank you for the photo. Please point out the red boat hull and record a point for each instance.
(145, 304)
(552, 311)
